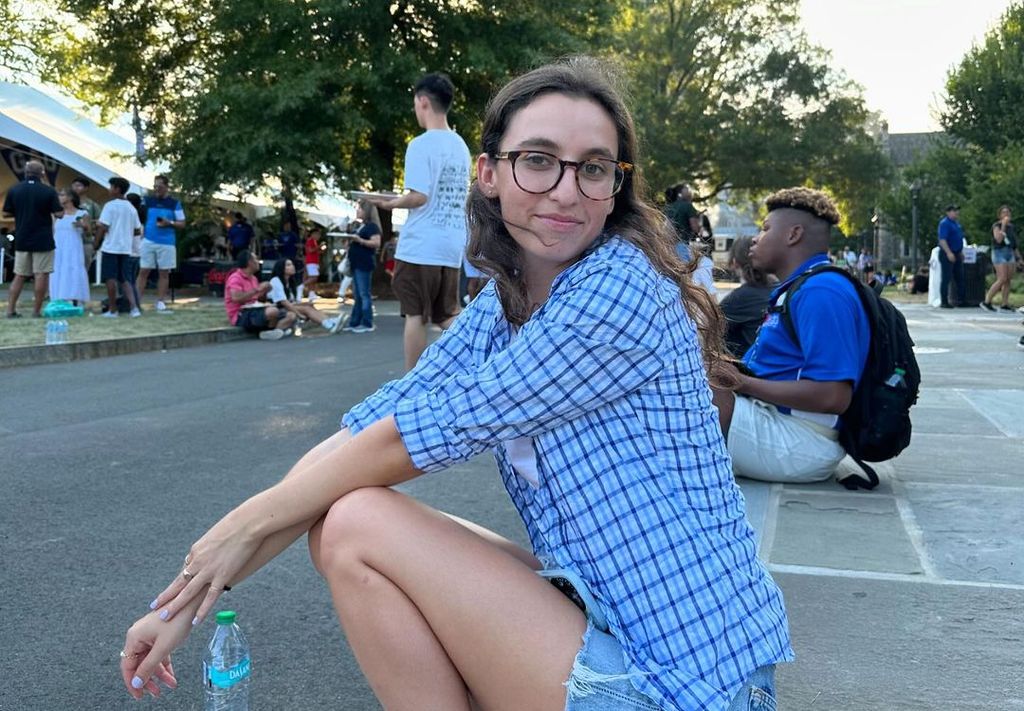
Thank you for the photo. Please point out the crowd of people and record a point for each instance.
(619, 399)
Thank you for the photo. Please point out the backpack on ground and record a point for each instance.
(876, 426)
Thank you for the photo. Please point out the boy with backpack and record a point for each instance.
(832, 370)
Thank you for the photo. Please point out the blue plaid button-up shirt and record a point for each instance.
(636, 492)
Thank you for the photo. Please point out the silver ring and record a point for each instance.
(125, 655)
(187, 575)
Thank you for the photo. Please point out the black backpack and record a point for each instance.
(876, 426)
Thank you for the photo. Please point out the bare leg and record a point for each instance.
(307, 311)
(163, 281)
(41, 284)
(140, 283)
(129, 293)
(15, 293)
(725, 401)
(111, 296)
(432, 609)
(1007, 279)
(414, 339)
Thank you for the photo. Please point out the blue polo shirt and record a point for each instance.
(166, 207)
(833, 329)
(953, 233)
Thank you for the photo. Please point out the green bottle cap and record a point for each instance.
(226, 617)
(901, 371)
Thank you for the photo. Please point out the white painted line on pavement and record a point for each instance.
(815, 571)
(914, 532)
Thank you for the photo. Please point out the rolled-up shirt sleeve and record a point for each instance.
(589, 346)
(446, 356)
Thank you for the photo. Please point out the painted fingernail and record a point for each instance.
(195, 621)
(152, 605)
(137, 682)
(165, 614)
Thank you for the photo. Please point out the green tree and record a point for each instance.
(304, 91)
(985, 92)
(25, 27)
(730, 95)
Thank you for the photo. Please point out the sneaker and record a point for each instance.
(945, 306)
(347, 327)
(274, 334)
(1020, 343)
(987, 306)
(364, 329)
(110, 314)
(1020, 309)
(332, 324)
(14, 314)
(135, 313)
(291, 332)
(1006, 309)
(161, 308)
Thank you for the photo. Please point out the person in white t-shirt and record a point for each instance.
(429, 257)
(117, 226)
(283, 294)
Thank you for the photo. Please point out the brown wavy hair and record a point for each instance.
(492, 249)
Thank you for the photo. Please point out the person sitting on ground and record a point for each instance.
(872, 279)
(781, 423)
(243, 293)
(282, 294)
(583, 366)
(744, 307)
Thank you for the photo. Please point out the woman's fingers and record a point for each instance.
(208, 602)
(165, 674)
(170, 592)
(184, 596)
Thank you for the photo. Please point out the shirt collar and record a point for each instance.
(819, 258)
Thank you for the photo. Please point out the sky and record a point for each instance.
(900, 51)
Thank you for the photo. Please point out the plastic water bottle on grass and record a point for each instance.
(51, 333)
(226, 667)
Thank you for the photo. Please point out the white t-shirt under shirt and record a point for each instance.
(121, 220)
(437, 165)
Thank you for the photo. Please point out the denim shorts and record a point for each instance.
(599, 680)
(1002, 255)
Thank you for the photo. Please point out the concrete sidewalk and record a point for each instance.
(908, 597)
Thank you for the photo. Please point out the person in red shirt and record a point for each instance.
(242, 294)
(312, 258)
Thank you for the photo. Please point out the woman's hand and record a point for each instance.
(146, 655)
(211, 564)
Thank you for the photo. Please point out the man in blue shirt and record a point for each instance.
(782, 423)
(164, 214)
(951, 256)
(240, 235)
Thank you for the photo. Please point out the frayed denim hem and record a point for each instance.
(590, 690)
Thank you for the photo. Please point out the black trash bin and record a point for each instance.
(974, 278)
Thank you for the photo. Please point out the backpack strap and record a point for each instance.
(781, 304)
(855, 481)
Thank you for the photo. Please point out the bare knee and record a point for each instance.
(337, 540)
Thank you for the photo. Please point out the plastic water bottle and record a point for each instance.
(896, 380)
(226, 667)
(51, 333)
(62, 332)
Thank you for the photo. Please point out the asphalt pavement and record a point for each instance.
(903, 598)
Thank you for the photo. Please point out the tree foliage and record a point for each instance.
(730, 95)
(305, 91)
(985, 92)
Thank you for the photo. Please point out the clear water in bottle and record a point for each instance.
(226, 667)
(51, 333)
(896, 379)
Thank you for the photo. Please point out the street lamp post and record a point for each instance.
(875, 222)
(915, 193)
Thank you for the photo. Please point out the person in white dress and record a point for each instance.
(69, 280)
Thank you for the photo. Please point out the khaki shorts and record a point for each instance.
(28, 263)
(768, 445)
(157, 256)
(430, 292)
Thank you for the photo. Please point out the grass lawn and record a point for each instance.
(189, 314)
